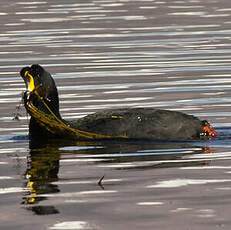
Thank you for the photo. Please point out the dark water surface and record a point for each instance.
(107, 54)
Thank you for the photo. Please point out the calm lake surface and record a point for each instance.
(108, 54)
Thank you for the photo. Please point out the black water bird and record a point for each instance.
(42, 103)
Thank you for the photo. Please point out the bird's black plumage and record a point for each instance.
(139, 123)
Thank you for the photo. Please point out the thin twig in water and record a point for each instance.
(100, 182)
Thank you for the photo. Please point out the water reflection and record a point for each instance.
(42, 180)
(138, 154)
(42, 169)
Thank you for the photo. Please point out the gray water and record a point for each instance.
(110, 54)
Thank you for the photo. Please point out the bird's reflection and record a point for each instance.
(42, 170)
(44, 160)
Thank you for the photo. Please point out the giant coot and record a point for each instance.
(42, 103)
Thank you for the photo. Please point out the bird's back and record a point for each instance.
(141, 123)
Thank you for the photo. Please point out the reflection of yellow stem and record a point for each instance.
(30, 199)
(56, 126)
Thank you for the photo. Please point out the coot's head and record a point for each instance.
(36, 76)
(40, 86)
